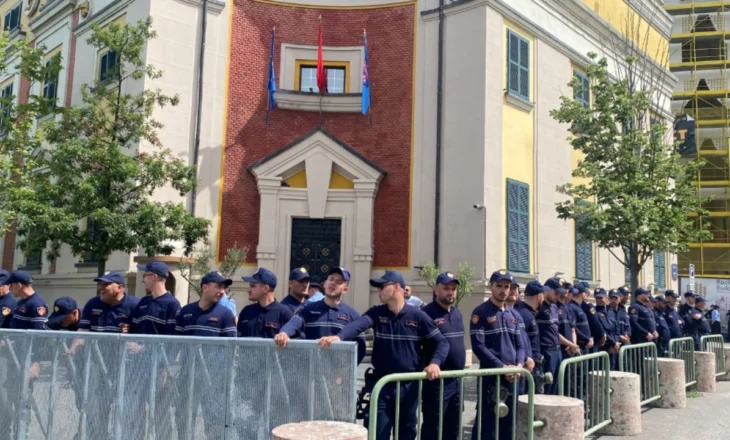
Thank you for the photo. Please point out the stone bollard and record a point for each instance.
(671, 384)
(705, 370)
(625, 402)
(319, 431)
(563, 418)
(726, 376)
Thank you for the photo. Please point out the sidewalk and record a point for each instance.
(706, 418)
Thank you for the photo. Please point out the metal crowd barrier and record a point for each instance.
(499, 398)
(587, 378)
(135, 387)
(684, 349)
(715, 344)
(642, 360)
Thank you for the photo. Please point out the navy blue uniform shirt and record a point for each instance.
(523, 334)
(597, 332)
(533, 333)
(30, 314)
(7, 305)
(624, 320)
(155, 316)
(674, 322)
(255, 321)
(693, 327)
(582, 328)
(547, 322)
(292, 303)
(98, 316)
(661, 325)
(451, 324)
(642, 322)
(495, 336)
(216, 320)
(317, 320)
(566, 321)
(398, 339)
(609, 321)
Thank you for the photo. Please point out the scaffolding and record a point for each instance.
(700, 60)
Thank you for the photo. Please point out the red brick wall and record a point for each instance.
(388, 143)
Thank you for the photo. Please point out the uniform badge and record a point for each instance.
(56, 309)
(302, 270)
(593, 310)
(560, 312)
(412, 323)
(632, 311)
(22, 309)
(96, 311)
(439, 321)
(534, 323)
(343, 318)
(492, 319)
(513, 321)
(449, 274)
(601, 315)
(271, 325)
(681, 322)
(41, 310)
(383, 319)
(502, 271)
(213, 319)
(121, 315)
(474, 319)
(562, 281)
(6, 311)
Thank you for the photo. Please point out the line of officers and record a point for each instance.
(551, 322)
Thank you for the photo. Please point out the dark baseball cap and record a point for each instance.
(699, 299)
(623, 290)
(156, 267)
(534, 288)
(314, 284)
(660, 298)
(4, 274)
(342, 271)
(599, 293)
(641, 291)
(61, 309)
(670, 294)
(583, 288)
(111, 277)
(501, 275)
(215, 277)
(299, 274)
(447, 278)
(19, 276)
(556, 284)
(614, 294)
(263, 276)
(689, 294)
(390, 276)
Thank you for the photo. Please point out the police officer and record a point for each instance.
(155, 314)
(512, 297)
(7, 303)
(566, 321)
(110, 311)
(550, 337)
(623, 315)
(582, 328)
(399, 331)
(689, 303)
(527, 308)
(608, 320)
(662, 327)
(31, 311)
(66, 315)
(413, 300)
(207, 318)
(315, 292)
(643, 325)
(695, 323)
(674, 322)
(327, 317)
(298, 289)
(266, 316)
(597, 332)
(450, 323)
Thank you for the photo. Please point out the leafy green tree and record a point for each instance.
(637, 194)
(84, 178)
(203, 254)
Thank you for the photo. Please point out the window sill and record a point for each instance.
(86, 267)
(523, 278)
(310, 102)
(520, 103)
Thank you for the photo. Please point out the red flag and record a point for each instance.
(321, 74)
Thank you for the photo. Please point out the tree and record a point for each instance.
(201, 257)
(431, 271)
(638, 195)
(85, 177)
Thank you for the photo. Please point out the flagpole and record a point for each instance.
(320, 56)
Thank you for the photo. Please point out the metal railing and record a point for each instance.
(500, 398)
(642, 360)
(684, 349)
(715, 344)
(135, 387)
(587, 378)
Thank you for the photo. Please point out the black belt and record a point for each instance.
(553, 348)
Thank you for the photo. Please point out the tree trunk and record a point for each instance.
(634, 269)
(101, 267)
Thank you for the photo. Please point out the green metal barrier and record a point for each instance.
(460, 374)
(587, 378)
(684, 349)
(715, 344)
(642, 360)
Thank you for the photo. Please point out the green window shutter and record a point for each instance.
(582, 93)
(583, 254)
(660, 270)
(518, 65)
(518, 226)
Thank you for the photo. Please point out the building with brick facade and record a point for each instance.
(456, 161)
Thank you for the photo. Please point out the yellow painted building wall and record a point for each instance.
(518, 142)
(627, 21)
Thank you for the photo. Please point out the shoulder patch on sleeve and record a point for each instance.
(474, 319)
(632, 311)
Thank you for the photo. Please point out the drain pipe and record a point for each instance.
(439, 105)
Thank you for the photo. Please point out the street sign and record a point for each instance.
(675, 272)
(691, 277)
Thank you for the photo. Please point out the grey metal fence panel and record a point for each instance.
(135, 387)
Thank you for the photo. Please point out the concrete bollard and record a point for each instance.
(563, 418)
(625, 402)
(319, 431)
(705, 370)
(726, 376)
(671, 384)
